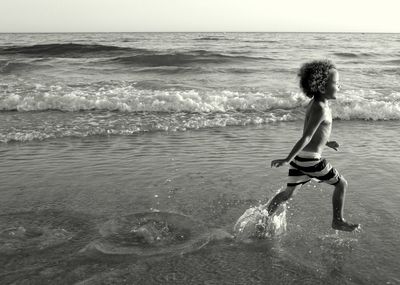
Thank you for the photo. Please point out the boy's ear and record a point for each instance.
(321, 89)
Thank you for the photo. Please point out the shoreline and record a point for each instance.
(339, 122)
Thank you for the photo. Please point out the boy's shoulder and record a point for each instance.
(317, 107)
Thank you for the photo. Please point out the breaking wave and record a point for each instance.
(350, 105)
(130, 111)
(130, 99)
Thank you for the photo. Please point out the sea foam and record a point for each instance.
(130, 99)
(350, 105)
(61, 111)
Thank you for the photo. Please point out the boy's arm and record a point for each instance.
(315, 119)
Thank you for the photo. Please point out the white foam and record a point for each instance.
(130, 99)
(361, 105)
(256, 223)
(127, 110)
(350, 104)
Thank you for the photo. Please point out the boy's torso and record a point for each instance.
(322, 134)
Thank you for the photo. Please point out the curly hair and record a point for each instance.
(314, 76)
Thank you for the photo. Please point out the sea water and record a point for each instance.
(78, 85)
(95, 127)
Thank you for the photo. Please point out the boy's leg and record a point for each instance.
(296, 179)
(280, 198)
(338, 223)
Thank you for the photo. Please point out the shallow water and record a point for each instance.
(68, 188)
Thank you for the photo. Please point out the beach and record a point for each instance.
(95, 127)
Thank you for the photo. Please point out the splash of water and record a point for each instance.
(255, 223)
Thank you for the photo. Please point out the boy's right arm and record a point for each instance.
(315, 119)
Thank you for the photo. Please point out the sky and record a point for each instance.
(199, 16)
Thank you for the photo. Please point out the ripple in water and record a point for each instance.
(151, 233)
(36, 231)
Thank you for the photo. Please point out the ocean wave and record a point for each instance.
(183, 58)
(64, 49)
(359, 105)
(186, 69)
(170, 69)
(127, 55)
(130, 99)
(262, 41)
(243, 70)
(350, 105)
(390, 71)
(129, 111)
(393, 61)
(209, 39)
(352, 54)
(8, 67)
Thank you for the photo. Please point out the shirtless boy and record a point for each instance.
(319, 80)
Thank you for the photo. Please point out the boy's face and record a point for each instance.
(333, 86)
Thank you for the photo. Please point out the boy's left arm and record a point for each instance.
(333, 144)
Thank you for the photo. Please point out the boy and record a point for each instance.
(319, 80)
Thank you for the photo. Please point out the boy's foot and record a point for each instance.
(344, 226)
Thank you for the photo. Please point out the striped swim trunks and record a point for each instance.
(308, 165)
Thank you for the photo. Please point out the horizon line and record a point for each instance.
(159, 32)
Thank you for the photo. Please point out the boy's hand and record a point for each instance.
(279, 162)
(333, 144)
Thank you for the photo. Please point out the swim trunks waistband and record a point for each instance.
(309, 154)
